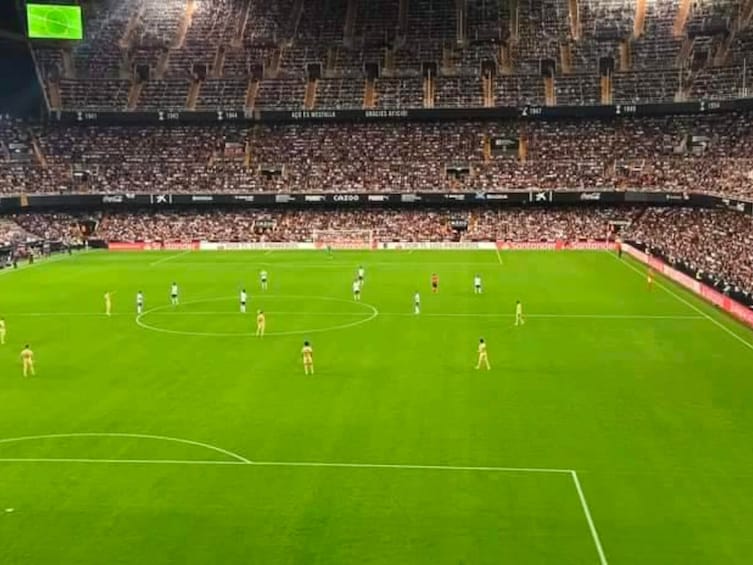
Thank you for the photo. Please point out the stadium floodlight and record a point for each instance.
(54, 21)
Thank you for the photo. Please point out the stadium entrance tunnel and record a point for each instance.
(286, 315)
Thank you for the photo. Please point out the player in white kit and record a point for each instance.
(361, 274)
(244, 299)
(139, 302)
(417, 303)
(174, 294)
(356, 290)
(477, 284)
(519, 319)
(264, 280)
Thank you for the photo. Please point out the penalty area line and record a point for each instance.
(321, 464)
(312, 464)
(333, 465)
(589, 518)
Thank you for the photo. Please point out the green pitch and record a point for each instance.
(46, 21)
(615, 417)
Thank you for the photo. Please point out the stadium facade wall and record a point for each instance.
(531, 112)
(607, 196)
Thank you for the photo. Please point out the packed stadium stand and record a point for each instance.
(260, 55)
(393, 57)
(707, 153)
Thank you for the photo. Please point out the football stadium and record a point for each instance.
(376, 282)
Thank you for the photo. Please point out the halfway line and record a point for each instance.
(170, 258)
(360, 314)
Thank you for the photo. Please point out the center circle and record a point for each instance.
(365, 313)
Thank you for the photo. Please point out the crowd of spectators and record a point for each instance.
(276, 42)
(709, 242)
(711, 153)
(712, 244)
(11, 233)
(52, 226)
(383, 225)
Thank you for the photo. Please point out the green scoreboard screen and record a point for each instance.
(54, 21)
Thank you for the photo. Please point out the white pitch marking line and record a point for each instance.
(408, 467)
(170, 258)
(589, 519)
(319, 464)
(313, 464)
(37, 263)
(499, 256)
(370, 310)
(669, 291)
(548, 316)
(360, 314)
(268, 312)
(208, 446)
(120, 461)
(240, 460)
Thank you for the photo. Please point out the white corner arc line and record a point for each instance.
(589, 519)
(671, 292)
(235, 456)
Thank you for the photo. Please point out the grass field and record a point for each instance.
(615, 419)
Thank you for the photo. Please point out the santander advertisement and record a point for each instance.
(153, 245)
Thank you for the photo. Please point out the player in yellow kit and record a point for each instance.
(27, 356)
(483, 356)
(308, 358)
(108, 303)
(261, 324)
(2, 331)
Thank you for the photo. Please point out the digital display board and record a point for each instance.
(54, 21)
